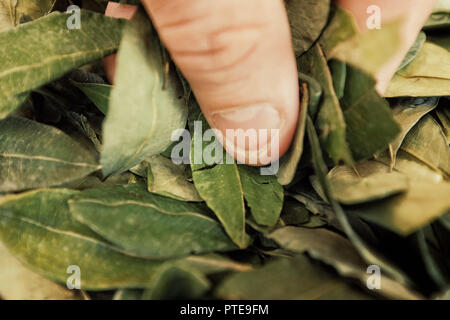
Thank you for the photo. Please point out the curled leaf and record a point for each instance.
(146, 104)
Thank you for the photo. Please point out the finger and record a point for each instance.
(238, 58)
(116, 10)
(414, 14)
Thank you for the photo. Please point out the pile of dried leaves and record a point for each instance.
(86, 178)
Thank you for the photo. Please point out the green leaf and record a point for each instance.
(307, 19)
(49, 57)
(149, 225)
(294, 213)
(408, 212)
(427, 142)
(225, 185)
(330, 119)
(147, 104)
(286, 279)
(34, 155)
(338, 71)
(11, 103)
(289, 162)
(370, 123)
(366, 181)
(171, 180)
(98, 93)
(263, 195)
(221, 188)
(37, 228)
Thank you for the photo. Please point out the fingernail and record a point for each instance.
(252, 118)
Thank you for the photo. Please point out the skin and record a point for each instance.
(238, 58)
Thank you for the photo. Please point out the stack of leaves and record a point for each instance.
(87, 178)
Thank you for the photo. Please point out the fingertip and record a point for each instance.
(256, 135)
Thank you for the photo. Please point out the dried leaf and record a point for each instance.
(445, 123)
(27, 164)
(297, 279)
(224, 186)
(289, 162)
(174, 283)
(37, 228)
(64, 50)
(414, 50)
(411, 167)
(427, 76)
(427, 142)
(336, 251)
(307, 19)
(149, 225)
(366, 181)
(407, 112)
(98, 93)
(370, 123)
(145, 109)
(408, 212)
(330, 119)
(263, 195)
(432, 62)
(366, 252)
(170, 180)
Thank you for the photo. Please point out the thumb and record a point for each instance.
(238, 58)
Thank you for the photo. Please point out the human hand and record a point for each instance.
(238, 57)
